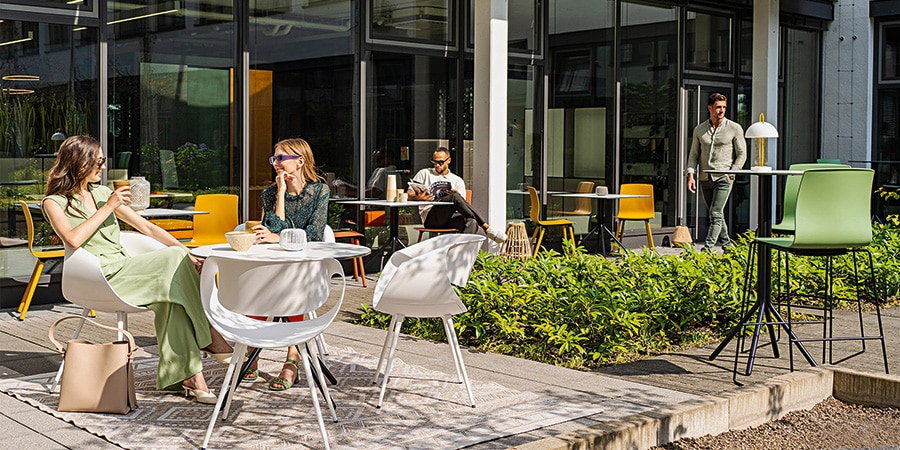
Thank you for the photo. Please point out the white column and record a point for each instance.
(765, 86)
(489, 115)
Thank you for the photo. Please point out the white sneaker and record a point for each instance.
(495, 234)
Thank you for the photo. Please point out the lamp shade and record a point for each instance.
(761, 130)
(58, 136)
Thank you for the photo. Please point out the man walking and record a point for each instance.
(438, 184)
(718, 144)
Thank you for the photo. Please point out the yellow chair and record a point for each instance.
(439, 231)
(568, 227)
(42, 257)
(222, 218)
(583, 206)
(635, 209)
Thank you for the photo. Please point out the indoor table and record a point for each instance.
(156, 213)
(764, 310)
(601, 228)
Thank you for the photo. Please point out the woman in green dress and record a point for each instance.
(83, 214)
(297, 199)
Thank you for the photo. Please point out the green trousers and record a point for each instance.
(715, 194)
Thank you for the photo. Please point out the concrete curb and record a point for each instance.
(743, 408)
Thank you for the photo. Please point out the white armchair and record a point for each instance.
(418, 282)
(269, 288)
(84, 284)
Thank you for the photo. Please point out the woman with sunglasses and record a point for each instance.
(83, 214)
(298, 199)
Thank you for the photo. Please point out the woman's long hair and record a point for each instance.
(297, 146)
(77, 155)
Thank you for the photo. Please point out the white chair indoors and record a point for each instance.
(83, 284)
(276, 289)
(418, 282)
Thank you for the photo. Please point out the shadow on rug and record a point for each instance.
(422, 409)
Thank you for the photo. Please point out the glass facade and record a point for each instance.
(887, 112)
(193, 94)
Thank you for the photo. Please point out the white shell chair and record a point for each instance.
(418, 282)
(269, 288)
(327, 236)
(84, 284)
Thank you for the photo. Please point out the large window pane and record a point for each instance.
(890, 57)
(301, 85)
(523, 26)
(708, 41)
(580, 117)
(568, 16)
(416, 20)
(48, 90)
(800, 116)
(414, 111)
(649, 103)
(519, 139)
(171, 81)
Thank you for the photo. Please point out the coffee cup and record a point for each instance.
(119, 183)
(403, 197)
(248, 226)
(601, 190)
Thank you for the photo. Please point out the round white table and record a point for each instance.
(274, 252)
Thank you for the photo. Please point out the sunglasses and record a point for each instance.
(101, 162)
(439, 163)
(281, 157)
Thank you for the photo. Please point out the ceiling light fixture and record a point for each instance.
(16, 41)
(15, 91)
(144, 16)
(21, 78)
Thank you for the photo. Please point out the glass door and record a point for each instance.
(693, 111)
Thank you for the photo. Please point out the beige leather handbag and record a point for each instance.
(96, 378)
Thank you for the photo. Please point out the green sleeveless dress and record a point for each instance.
(165, 281)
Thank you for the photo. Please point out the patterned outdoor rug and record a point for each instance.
(422, 409)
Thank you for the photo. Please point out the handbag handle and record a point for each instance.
(61, 347)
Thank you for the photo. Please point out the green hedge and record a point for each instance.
(583, 311)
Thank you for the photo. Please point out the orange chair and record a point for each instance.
(178, 228)
(440, 231)
(222, 218)
(635, 208)
(42, 257)
(358, 268)
(568, 227)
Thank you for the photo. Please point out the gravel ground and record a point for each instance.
(831, 424)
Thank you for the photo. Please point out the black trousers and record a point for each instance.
(458, 214)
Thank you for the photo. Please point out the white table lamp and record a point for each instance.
(761, 130)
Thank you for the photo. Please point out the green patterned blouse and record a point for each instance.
(308, 210)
